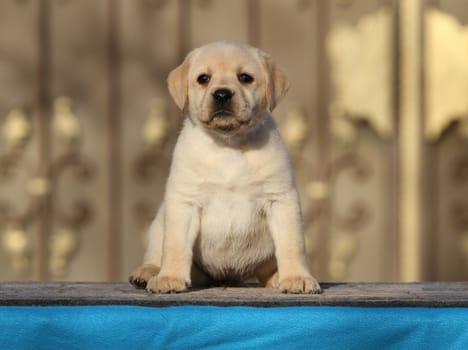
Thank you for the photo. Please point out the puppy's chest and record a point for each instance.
(233, 210)
(231, 186)
(227, 170)
(230, 194)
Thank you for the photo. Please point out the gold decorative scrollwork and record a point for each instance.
(344, 232)
(317, 190)
(154, 134)
(446, 74)
(361, 61)
(344, 247)
(15, 242)
(16, 132)
(38, 186)
(62, 244)
(152, 160)
(66, 125)
(293, 128)
(15, 239)
(156, 126)
(361, 70)
(65, 241)
(347, 222)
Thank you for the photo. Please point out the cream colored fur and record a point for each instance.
(231, 210)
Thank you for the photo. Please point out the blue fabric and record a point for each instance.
(207, 327)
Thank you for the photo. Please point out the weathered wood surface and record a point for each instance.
(334, 294)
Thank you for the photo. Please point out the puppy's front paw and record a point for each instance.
(140, 277)
(299, 285)
(166, 284)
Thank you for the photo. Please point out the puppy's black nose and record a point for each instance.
(222, 95)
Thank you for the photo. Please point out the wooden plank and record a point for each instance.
(334, 294)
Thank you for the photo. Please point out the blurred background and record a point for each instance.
(376, 122)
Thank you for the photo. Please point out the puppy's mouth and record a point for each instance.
(221, 113)
(225, 121)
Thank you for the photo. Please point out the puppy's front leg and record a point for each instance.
(182, 223)
(285, 224)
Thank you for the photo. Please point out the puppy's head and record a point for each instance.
(226, 87)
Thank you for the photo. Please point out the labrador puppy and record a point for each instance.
(231, 209)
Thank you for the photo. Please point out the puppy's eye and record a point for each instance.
(245, 78)
(203, 79)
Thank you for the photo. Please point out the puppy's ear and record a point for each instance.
(177, 82)
(277, 83)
